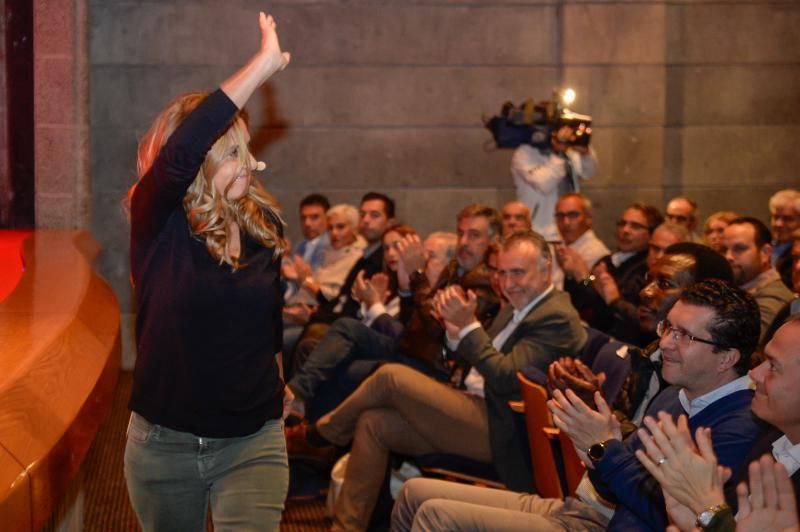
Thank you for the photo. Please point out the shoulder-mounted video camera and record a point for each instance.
(538, 123)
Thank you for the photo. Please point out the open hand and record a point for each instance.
(584, 425)
(270, 55)
(687, 472)
(456, 307)
(412, 253)
(605, 284)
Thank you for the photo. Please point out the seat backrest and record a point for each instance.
(573, 465)
(537, 418)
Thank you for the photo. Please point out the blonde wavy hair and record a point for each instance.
(208, 211)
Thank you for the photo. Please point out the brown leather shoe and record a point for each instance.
(298, 447)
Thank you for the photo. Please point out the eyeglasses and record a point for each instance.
(569, 215)
(682, 336)
(635, 225)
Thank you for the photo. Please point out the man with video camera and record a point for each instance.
(542, 175)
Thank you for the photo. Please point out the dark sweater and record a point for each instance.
(206, 336)
(619, 477)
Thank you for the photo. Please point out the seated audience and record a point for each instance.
(603, 298)
(376, 213)
(690, 476)
(314, 224)
(625, 319)
(400, 410)
(515, 217)
(663, 237)
(706, 343)
(378, 294)
(346, 247)
(574, 221)
(440, 250)
(747, 243)
(784, 210)
(632, 374)
(683, 211)
(715, 226)
(418, 340)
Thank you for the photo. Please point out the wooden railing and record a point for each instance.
(59, 362)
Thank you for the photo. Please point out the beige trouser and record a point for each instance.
(434, 505)
(398, 409)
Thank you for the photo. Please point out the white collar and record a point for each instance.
(695, 406)
(585, 237)
(618, 257)
(520, 314)
(787, 454)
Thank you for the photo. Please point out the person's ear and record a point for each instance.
(728, 359)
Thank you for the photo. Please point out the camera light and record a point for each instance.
(568, 96)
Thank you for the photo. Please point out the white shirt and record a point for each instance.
(474, 380)
(652, 389)
(537, 176)
(589, 247)
(787, 454)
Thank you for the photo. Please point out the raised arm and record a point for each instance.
(268, 60)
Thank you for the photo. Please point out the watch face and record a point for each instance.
(705, 517)
(596, 451)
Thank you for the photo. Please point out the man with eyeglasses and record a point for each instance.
(581, 248)
(632, 375)
(604, 296)
(776, 402)
(707, 341)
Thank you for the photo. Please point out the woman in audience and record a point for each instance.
(378, 294)
(206, 242)
(346, 247)
(714, 227)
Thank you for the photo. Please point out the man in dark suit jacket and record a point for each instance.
(400, 410)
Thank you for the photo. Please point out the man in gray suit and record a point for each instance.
(400, 410)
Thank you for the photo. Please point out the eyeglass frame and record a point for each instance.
(568, 215)
(664, 327)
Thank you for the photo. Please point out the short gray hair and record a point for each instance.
(346, 211)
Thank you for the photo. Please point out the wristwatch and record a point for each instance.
(708, 517)
(598, 450)
(589, 279)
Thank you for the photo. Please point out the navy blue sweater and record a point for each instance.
(619, 477)
(206, 336)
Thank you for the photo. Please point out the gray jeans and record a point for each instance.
(172, 476)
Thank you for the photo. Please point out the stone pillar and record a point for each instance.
(61, 114)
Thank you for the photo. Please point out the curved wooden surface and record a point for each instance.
(59, 362)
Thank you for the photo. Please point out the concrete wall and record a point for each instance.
(61, 114)
(693, 97)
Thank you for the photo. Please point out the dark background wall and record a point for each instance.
(688, 97)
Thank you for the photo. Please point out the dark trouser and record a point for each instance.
(344, 356)
(346, 339)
